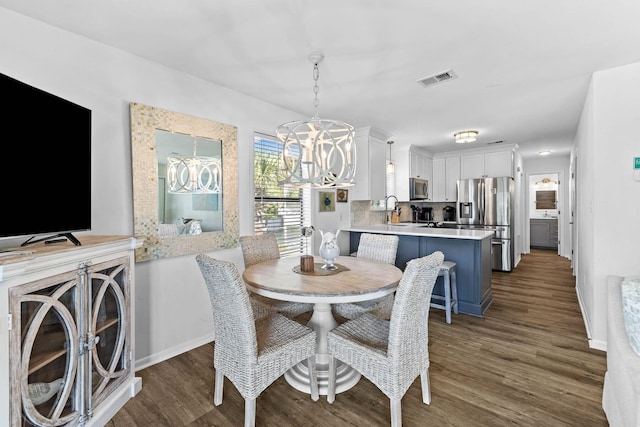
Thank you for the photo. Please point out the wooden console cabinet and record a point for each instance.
(67, 344)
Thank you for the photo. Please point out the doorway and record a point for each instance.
(544, 203)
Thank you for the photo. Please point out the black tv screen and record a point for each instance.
(46, 156)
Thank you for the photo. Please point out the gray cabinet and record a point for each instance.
(543, 233)
(473, 266)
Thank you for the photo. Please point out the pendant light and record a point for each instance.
(194, 174)
(317, 153)
(390, 166)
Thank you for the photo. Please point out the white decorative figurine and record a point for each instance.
(329, 249)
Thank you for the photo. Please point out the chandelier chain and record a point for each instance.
(316, 89)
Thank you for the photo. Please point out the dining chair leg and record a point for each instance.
(217, 388)
(426, 386)
(331, 380)
(313, 378)
(249, 412)
(396, 413)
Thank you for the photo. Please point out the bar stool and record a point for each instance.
(450, 298)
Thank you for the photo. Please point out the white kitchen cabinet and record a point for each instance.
(68, 343)
(489, 164)
(371, 146)
(446, 173)
(406, 162)
(420, 166)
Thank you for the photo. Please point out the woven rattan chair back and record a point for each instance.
(232, 312)
(264, 247)
(252, 354)
(375, 247)
(378, 247)
(258, 248)
(360, 342)
(410, 314)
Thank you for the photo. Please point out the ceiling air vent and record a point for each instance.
(437, 78)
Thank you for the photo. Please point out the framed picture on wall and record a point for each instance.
(342, 195)
(326, 201)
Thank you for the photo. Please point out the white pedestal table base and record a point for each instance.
(322, 321)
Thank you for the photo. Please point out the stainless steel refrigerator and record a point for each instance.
(487, 203)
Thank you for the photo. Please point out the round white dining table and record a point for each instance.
(361, 280)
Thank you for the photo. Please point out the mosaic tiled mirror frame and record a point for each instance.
(144, 122)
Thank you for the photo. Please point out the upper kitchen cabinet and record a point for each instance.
(411, 163)
(420, 165)
(446, 173)
(371, 145)
(482, 164)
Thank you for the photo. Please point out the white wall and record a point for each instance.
(545, 165)
(608, 197)
(172, 310)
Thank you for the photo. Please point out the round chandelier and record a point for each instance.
(318, 153)
(194, 174)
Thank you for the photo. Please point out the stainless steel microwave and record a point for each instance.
(418, 189)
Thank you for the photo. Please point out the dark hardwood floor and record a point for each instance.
(525, 363)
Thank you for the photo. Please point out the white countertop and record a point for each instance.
(409, 229)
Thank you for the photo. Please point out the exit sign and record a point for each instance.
(636, 162)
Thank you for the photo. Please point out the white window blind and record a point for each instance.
(279, 208)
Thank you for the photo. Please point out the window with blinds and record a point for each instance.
(279, 208)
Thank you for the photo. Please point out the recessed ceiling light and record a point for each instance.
(544, 153)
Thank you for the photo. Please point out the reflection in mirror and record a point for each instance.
(182, 224)
(545, 199)
(189, 211)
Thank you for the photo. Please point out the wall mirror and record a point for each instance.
(545, 199)
(190, 222)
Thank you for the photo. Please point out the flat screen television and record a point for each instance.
(46, 170)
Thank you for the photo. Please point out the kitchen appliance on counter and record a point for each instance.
(426, 214)
(487, 203)
(449, 213)
(418, 189)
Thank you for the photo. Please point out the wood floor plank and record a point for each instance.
(526, 362)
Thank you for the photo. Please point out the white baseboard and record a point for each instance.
(116, 401)
(598, 345)
(595, 344)
(172, 352)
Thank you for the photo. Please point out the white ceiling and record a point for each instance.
(523, 67)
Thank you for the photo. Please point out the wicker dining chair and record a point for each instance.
(391, 353)
(264, 247)
(376, 247)
(251, 353)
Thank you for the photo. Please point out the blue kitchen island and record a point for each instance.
(469, 249)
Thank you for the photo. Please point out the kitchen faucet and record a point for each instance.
(395, 206)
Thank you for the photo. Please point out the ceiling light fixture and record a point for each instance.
(544, 153)
(194, 174)
(318, 153)
(390, 167)
(546, 182)
(465, 136)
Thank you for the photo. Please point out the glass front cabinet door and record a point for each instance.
(69, 344)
